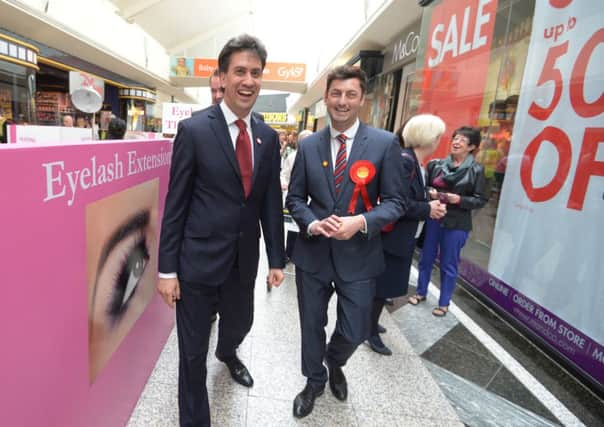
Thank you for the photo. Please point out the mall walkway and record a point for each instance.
(444, 372)
(397, 390)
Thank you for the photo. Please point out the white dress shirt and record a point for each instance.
(335, 144)
(350, 133)
(231, 118)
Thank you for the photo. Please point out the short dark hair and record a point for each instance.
(345, 72)
(238, 44)
(116, 129)
(469, 132)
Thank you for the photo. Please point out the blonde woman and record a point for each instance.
(419, 138)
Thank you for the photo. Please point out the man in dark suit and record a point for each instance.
(224, 183)
(339, 246)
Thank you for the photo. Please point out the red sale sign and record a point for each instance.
(456, 62)
(548, 236)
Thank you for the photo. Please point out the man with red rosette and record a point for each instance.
(343, 170)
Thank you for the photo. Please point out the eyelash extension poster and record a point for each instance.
(81, 322)
(121, 239)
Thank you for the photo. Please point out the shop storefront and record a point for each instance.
(319, 116)
(18, 67)
(399, 61)
(137, 107)
(389, 103)
(529, 74)
(34, 88)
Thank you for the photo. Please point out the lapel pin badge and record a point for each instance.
(258, 140)
(325, 164)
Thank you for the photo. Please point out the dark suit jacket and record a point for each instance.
(361, 257)
(398, 241)
(208, 224)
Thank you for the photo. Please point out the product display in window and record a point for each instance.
(6, 109)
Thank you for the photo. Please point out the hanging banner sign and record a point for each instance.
(275, 117)
(173, 113)
(79, 80)
(456, 63)
(548, 235)
(204, 67)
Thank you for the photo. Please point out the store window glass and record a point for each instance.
(408, 102)
(380, 100)
(496, 120)
(17, 88)
(475, 81)
(135, 113)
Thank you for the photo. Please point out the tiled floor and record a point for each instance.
(440, 374)
(383, 391)
(451, 346)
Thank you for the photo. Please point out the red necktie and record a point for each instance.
(243, 151)
(340, 167)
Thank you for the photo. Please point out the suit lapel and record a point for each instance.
(221, 130)
(359, 144)
(258, 146)
(325, 156)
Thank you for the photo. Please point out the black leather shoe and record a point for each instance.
(239, 372)
(381, 329)
(337, 382)
(305, 401)
(377, 345)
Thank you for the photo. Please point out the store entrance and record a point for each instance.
(407, 105)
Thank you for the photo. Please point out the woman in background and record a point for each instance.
(459, 181)
(419, 138)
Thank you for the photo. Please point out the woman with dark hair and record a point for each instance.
(419, 137)
(459, 181)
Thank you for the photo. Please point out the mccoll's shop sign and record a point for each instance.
(403, 49)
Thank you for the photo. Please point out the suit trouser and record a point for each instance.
(450, 242)
(234, 302)
(352, 325)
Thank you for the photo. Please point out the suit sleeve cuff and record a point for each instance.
(168, 275)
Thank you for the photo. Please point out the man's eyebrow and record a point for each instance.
(133, 224)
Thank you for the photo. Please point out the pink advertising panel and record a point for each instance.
(80, 321)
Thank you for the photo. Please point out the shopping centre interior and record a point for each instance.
(523, 343)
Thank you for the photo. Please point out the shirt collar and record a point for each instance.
(230, 117)
(350, 132)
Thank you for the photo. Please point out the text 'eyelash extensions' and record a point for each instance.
(131, 266)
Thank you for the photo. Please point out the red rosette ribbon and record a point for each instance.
(361, 173)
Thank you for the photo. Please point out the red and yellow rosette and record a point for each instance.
(361, 173)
